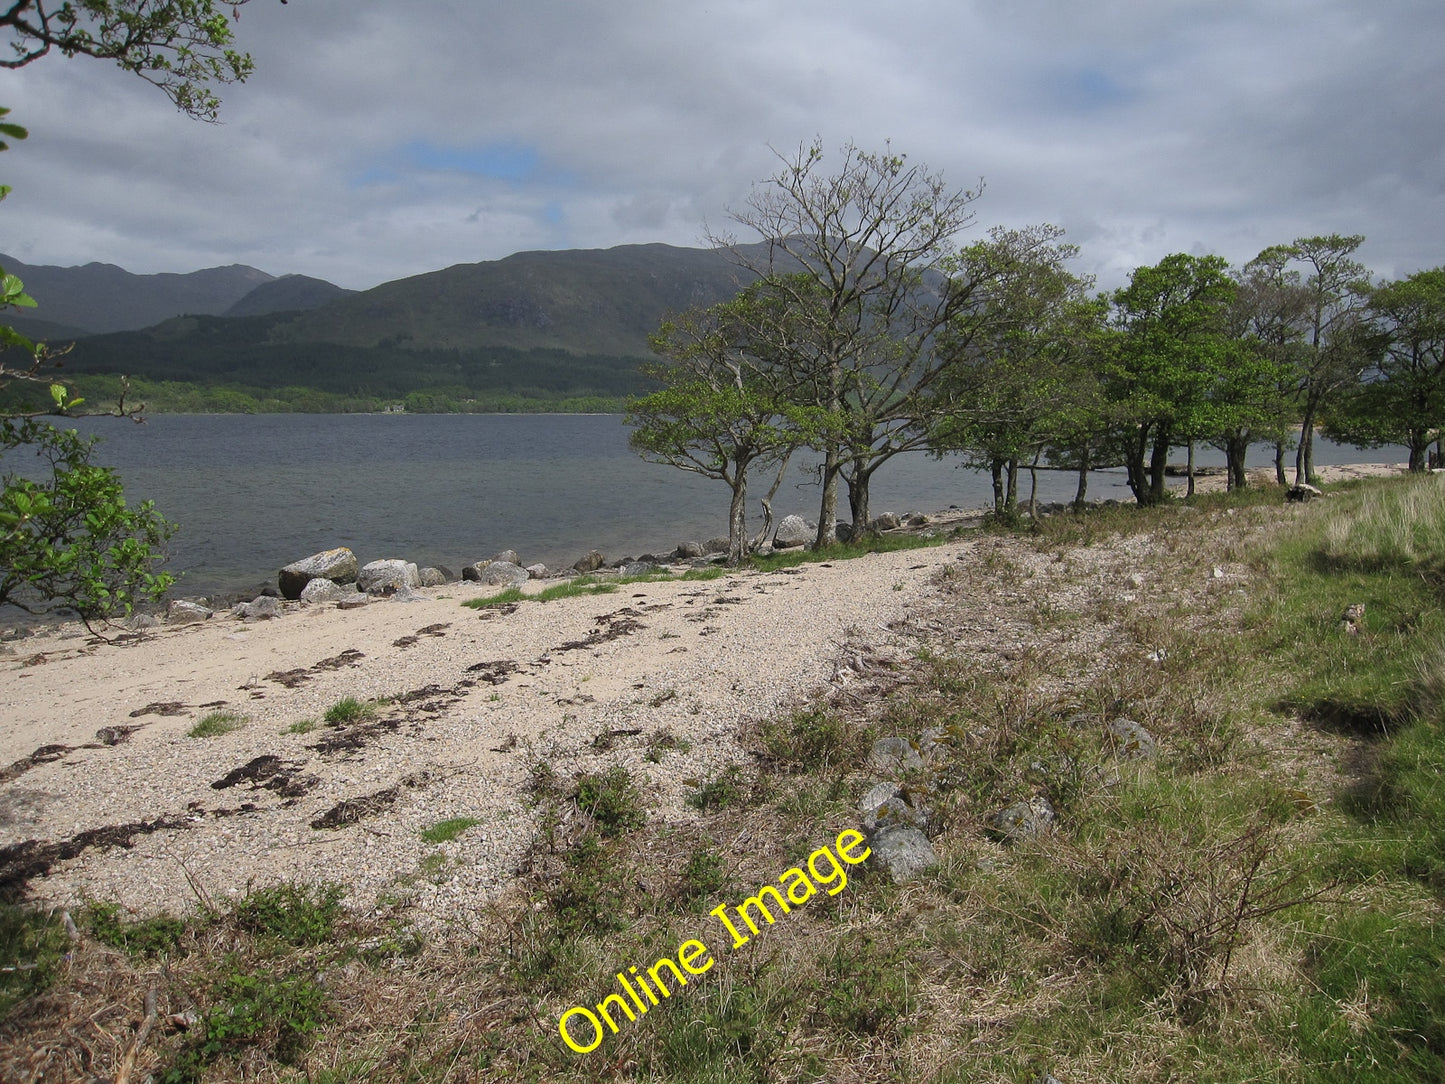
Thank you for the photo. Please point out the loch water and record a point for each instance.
(254, 492)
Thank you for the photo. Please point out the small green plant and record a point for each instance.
(663, 741)
(444, 831)
(348, 710)
(811, 739)
(301, 726)
(298, 915)
(32, 945)
(217, 723)
(704, 875)
(159, 936)
(612, 799)
(728, 788)
(275, 1012)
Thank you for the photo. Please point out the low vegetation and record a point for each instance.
(1259, 900)
(216, 723)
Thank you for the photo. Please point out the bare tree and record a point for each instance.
(860, 254)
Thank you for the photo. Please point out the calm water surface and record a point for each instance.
(254, 492)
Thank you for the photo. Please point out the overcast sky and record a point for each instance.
(382, 139)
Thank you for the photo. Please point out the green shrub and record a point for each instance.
(449, 829)
(348, 710)
(297, 915)
(613, 800)
(217, 723)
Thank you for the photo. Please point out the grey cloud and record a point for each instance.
(1142, 128)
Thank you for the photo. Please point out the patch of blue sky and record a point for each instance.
(512, 162)
(1092, 88)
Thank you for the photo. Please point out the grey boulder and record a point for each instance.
(591, 561)
(1023, 820)
(502, 574)
(185, 612)
(388, 576)
(903, 851)
(318, 591)
(338, 565)
(793, 531)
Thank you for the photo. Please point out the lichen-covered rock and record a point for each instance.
(509, 556)
(261, 608)
(319, 591)
(903, 851)
(435, 577)
(1023, 820)
(503, 574)
(388, 576)
(689, 551)
(184, 612)
(337, 565)
(1130, 741)
(792, 532)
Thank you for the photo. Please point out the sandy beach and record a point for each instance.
(106, 796)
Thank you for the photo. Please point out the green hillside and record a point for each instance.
(538, 328)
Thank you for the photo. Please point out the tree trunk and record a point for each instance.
(996, 467)
(828, 510)
(1279, 475)
(738, 520)
(1158, 460)
(1011, 502)
(1236, 449)
(1134, 465)
(1304, 456)
(767, 503)
(1190, 471)
(1082, 491)
(1034, 485)
(858, 487)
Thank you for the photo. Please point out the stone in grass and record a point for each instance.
(1130, 741)
(1023, 820)
(887, 805)
(903, 851)
(890, 756)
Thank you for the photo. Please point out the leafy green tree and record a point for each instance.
(1329, 359)
(69, 540)
(1271, 308)
(729, 402)
(859, 255)
(1167, 362)
(1401, 399)
(181, 46)
(1015, 379)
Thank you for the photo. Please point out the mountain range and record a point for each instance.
(571, 322)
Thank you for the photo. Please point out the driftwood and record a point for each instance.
(127, 1063)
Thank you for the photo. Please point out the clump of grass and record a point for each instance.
(1397, 526)
(301, 726)
(812, 739)
(32, 946)
(728, 788)
(217, 723)
(297, 915)
(613, 800)
(663, 741)
(348, 710)
(158, 936)
(704, 875)
(447, 830)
